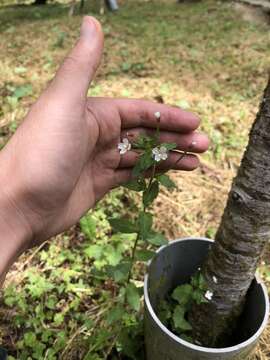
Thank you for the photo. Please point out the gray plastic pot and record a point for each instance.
(173, 265)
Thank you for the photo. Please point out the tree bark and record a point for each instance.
(240, 240)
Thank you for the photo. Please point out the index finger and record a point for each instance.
(136, 113)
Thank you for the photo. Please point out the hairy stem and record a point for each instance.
(133, 257)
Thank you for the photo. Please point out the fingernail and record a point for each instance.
(88, 27)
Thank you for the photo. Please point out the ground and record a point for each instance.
(201, 56)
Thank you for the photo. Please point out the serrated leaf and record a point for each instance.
(183, 294)
(88, 226)
(115, 314)
(30, 339)
(150, 194)
(123, 225)
(113, 256)
(94, 251)
(179, 319)
(156, 238)
(136, 185)
(166, 181)
(145, 221)
(144, 255)
(133, 296)
(119, 272)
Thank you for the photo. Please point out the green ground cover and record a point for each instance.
(200, 56)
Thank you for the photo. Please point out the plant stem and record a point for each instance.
(133, 257)
(138, 235)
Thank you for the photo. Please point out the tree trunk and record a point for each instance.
(240, 240)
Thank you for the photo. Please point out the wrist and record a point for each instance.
(15, 233)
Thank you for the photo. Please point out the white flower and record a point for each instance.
(160, 153)
(208, 295)
(199, 268)
(215, 279)
(157, 115)
(124, 146)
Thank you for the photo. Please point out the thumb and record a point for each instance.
(78, 69)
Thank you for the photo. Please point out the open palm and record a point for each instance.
(64, 156)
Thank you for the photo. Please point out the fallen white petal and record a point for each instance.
(208, 295)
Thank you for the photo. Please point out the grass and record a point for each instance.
(201, 56)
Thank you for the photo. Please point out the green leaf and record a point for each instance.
(136, 185)
(119, 272)
(156, 238)
(183, 294)
(144, 255)
(30, 339)
(164, 312)
(94, 251)
(113, 255)
(145, 142)
(145, 162)
(58, 319)
(145, 222)
(198, 297)
(130, 345)
(150, 194)
(22, 91)
(88, 226)
(51, 302)
(166, 181)
(179, 319)
(123, 225)
(133, 296)
(115, 314)
(198, 281)
(38, 284)
(169, 146)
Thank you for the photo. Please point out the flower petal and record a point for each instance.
(164, 156)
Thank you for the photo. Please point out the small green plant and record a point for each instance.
(124, 317)
(174, 310)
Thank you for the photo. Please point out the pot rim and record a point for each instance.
(197, 347)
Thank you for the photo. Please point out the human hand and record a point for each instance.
(64, 156)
